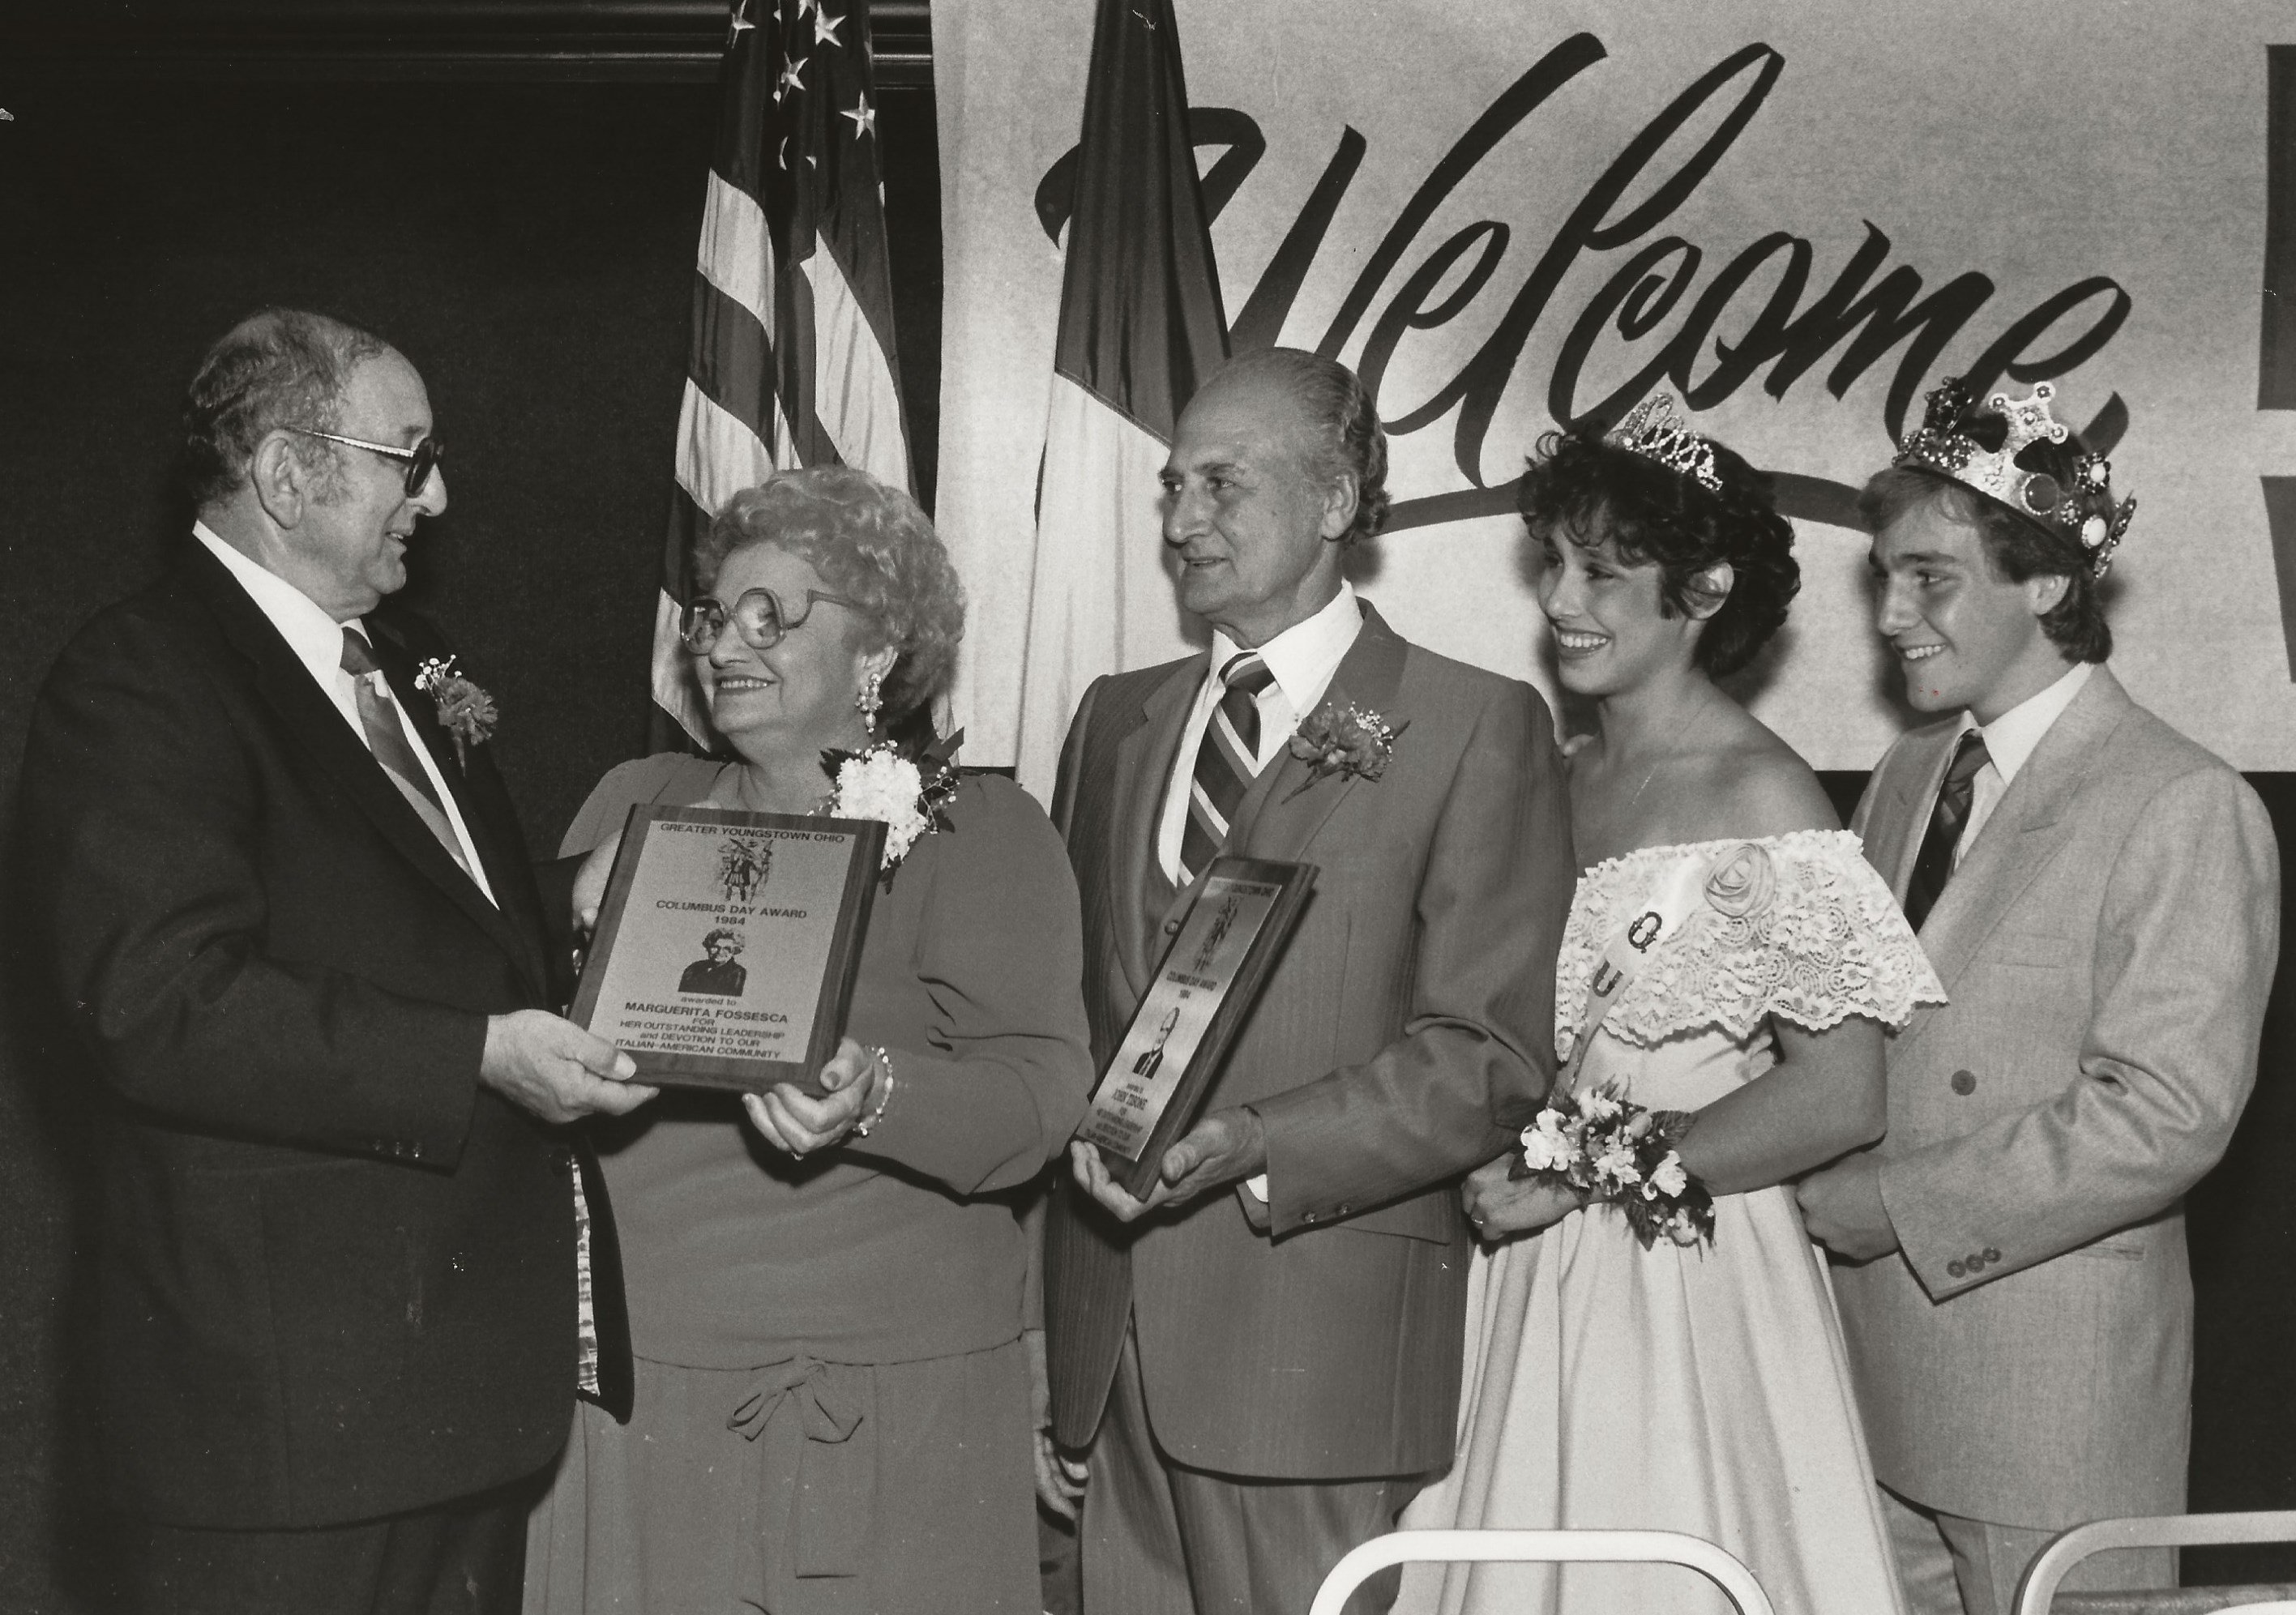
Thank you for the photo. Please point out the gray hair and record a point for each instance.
(277, 367)
(1350, 441)
(869, 541)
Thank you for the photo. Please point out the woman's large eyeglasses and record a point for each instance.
(759, 616)
(421, 460)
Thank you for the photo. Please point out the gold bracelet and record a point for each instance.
(884, 1057)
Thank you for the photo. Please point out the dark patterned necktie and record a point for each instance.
(1934, 868)
(386, 737)
(1226, 763)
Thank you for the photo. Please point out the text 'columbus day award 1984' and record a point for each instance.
(1234, 931)
(728, 943)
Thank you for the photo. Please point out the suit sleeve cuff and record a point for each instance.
(1946, 1260)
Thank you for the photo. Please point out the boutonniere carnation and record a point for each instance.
(466, 712)
(908, 792)
(1350, 742)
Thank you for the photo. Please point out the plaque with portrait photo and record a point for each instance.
(727, 944)
(1234, 931)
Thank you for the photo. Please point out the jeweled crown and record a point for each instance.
(1957, 440)
(1651, 430)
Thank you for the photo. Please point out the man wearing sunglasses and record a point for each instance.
(339, 1311)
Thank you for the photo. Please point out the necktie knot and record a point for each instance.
(358, 656)
(1968, 759)
(1247, 671)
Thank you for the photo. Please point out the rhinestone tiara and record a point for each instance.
(1952, 443)
(1651, 430)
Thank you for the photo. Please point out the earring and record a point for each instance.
(870, 698)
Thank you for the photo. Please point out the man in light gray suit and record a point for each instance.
(2100, 897)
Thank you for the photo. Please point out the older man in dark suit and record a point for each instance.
(1263, 1357)
(294, 915)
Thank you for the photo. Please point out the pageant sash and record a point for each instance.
(1669, 907)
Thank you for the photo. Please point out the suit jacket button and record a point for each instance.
(1338, 1210)
(1954, 1270)
(1991, 1255)
(1171, 928)
(1964, 1083)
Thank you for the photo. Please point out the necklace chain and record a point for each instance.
(1674, 745)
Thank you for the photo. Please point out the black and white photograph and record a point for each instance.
(1744, 553)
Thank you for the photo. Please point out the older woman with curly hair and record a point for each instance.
(832, 1398)
(1727, 972)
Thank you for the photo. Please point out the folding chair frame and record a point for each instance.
(2038, 1588)
(1544, 1547)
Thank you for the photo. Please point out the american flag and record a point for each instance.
(792, 361)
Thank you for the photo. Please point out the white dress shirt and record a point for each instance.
(1303, 658)
(2009, 742)
(318, 641)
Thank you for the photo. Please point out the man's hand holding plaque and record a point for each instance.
(1226, 1147)
(1135, 1149)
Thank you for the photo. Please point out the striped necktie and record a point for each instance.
(386, 737)
(1225, 764)
(1933, 866)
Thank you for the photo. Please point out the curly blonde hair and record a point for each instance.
(869, 542)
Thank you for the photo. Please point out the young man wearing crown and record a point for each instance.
(2100, 897)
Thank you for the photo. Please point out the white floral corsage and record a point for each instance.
(465, 712)
(1614, 1151)
(907, 792)
(1350, 742)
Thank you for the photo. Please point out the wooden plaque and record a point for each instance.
(1235, 929)
(728, 943)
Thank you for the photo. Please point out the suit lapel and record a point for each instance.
(316, 725)
(1900, 815)
(2024, 832)
(1288, 803)
(1145, 760)
(505, 876)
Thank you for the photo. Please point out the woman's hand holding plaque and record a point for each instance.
(793, 1122)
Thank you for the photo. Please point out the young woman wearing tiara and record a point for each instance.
(1651, 1335)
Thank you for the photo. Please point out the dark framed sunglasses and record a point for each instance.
(421, 460)
(758, 616)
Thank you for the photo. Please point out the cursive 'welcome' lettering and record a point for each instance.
(1857, 317)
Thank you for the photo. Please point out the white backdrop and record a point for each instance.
(2037, 146)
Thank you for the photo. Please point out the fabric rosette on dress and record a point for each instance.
(1703, 1390)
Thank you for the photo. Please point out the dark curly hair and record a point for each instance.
(277, 367)
(869, 541)
(1349, 440)
(1587, 489)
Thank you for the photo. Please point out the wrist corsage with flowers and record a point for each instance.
(1613, 1152)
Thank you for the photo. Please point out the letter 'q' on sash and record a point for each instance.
(1653, 922)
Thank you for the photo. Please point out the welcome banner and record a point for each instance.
(1800, 218)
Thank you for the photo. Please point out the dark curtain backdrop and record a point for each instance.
(530, 247)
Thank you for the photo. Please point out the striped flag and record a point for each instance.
(1141, 325)
(791, 360)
